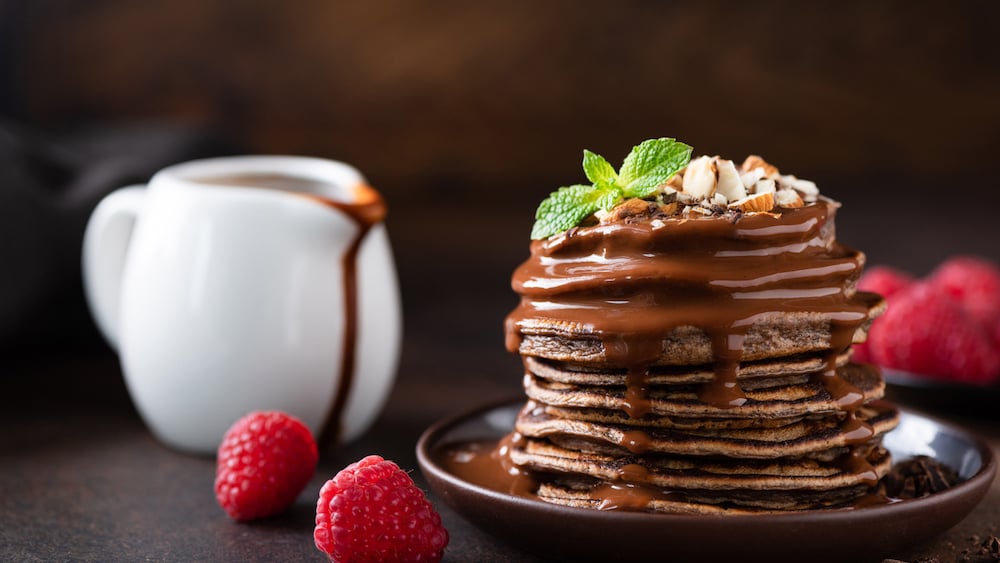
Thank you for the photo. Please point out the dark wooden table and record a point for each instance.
(81, 479)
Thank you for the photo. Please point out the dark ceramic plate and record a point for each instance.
(964, 399)
(576, 534)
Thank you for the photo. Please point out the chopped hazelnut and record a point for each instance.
(787, 197)
(729, 184)
(755, 203)
(700, 179)
(754, 161)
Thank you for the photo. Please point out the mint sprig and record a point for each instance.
(645, 169)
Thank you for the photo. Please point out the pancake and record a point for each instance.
(681, 473)
(772, 335)
(801, 438)
(583, 374)
(664, 421)
(579, 494)
(789, 401)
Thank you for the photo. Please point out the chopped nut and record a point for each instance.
(686, 198)
(717, 199)
(754, 161)
(669, 208)
(755, 203)
(765, 185)
(699, 179)
(750, 178)
(807, 188)
(728, 184)
(676, 182)
(632, 211)
(787, 197)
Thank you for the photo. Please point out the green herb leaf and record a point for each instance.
(567, 206)
(598, 169)
(650, 164)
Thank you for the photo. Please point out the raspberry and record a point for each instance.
(264, 462)
(372, 511)
(861, 353)
(927, 332)
(975, 283)
(884, 280)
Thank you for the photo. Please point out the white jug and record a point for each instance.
(247, 283)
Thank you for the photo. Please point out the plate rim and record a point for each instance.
(913, 380)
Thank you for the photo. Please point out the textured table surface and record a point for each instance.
(81, 479)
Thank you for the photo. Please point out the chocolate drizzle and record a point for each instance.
(365, 210)
(629, 492)
(727, 347)
(487, 464)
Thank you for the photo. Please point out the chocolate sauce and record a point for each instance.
(637, 353)
(630, 492)
(366, 209)
(631, 285)
(724, 391)
(487, 464)
(636, 441)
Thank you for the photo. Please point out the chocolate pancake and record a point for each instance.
(801, 438)
(788, 401)
(747, 372)
(685, 356)
(772, 335)
(580, 493)
(650, 420)
(682, 473)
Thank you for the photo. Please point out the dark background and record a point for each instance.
(465, 115)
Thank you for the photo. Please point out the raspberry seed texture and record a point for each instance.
(372, 511)
(263, 463)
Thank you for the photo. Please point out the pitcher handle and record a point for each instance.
(105, 244)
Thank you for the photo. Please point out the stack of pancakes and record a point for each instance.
(651, 392)
(785, 448)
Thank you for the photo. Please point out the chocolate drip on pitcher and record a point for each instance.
(366, 209)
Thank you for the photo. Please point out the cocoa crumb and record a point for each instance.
(991, 547)
(919, 477)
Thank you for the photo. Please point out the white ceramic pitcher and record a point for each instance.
(230, 285)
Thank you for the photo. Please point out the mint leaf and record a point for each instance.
(598, 169)
(651, 163)
(567, 206)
